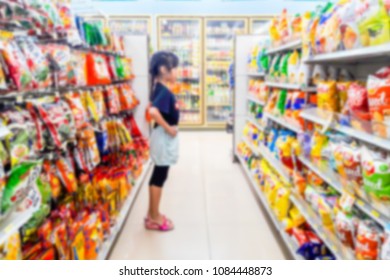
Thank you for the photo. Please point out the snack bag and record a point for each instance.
(60, 56)
(358, 107)
(345, 229)
(376, 173)
(293, 67)
(348, 25)
(66, 174)
(327, 98)
(368, 241)
(378, 87)
(12, 248)
(281, 103)
(373, 22)
(20, 181)
(97, 70)
(37, 62)
(275, 67)
(342, 93)
(318, 143)
(79, 66)
(353, 169)
(79, 113)
(17, 65)
(283, 77)
(112, 100)
(282, 203)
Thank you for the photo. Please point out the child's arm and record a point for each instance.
(158, 118)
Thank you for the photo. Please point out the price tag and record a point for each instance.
(8, 229)
(375, 213)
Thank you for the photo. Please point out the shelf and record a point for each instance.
(333, 180)
(289, 86)
(121, 219)
(255, 123)
(219, 105)
(318, 116)
(297, 44)
(291, 245)
(258, 75)
(255, 100)
(356, 55)
(283, 122)
(330, 239)
(13, 223)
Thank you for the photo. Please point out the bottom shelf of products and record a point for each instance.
(121, 219)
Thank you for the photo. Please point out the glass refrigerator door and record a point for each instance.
(182, 36)
(259, 25)
(130, 25)
(219, 70)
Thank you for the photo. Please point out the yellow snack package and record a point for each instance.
(318, 142)
(282, 203)
(327, 98)
(293, 67)
(12, 248)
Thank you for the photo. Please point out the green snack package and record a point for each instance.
(376, 173)
(120, 69)
(281, 103)
(21, 180)
(284, 67)
(263, 61)
(274, 70)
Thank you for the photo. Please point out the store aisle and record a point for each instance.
(208, 198)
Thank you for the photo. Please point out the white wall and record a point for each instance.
(204, 7)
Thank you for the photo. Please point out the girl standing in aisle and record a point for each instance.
(164, 142)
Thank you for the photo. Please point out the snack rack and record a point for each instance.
(361, 63)
(136, 47)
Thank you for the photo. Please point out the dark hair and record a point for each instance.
(162, 58)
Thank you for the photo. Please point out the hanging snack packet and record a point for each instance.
(20, 181)
(112, 100)
(12, 248)
(98, 98)
(378, 87)
(283, 77)
(79, 66)
(293, 67)
(127, 97)
(281, 103)
(327, 98)
(75, 103)
(36, 61)
(97, 70)
(60, 56)
(358, 107)
(345, 229)
(66, 174)
(348, 25)
(376, 173)
(17, 65)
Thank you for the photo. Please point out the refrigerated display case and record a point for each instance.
(183, 36)
(258, 25)
(130, 25)
(219, 34)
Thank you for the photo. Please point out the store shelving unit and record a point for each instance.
(256, 75)
(290, 242)
(255, 100)
(219, 33)
(289, 86)
(293, 45)
(121, 219)
(255, 123)
(183, 36)
(259, 25)
(324, 118)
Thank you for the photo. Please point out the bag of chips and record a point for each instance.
(327, 98)
(358, 107)
(97, 70)
(368, 241)
(378, 87)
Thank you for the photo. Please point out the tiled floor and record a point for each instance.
(214, 211)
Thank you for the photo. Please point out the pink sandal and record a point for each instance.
(166, 225)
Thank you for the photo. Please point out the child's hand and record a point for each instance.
(172, 130)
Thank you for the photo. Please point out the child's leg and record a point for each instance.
(159, 176)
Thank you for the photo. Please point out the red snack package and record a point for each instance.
(358, 107)
(75, 103)
(66, 174)
(17, 65)
(127, 97)
(353, 169)
(345, 228)
(368, 241)
(112, 100)
(97, 70)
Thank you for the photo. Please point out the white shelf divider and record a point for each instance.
(290, 243)
(283, 85)
(121, 219)
(297, 44)
(255, 100)
(255, 123)
(318, 116)
(348, 56)
(283, 122)
(256, 75)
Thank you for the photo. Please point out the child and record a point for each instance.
(164, 143)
